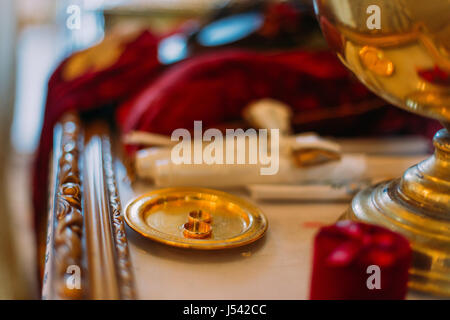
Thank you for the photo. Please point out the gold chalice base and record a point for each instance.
(417, 206)
(166, 216)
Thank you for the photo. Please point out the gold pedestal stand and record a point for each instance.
(417, 206)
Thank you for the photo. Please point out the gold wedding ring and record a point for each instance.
(198, 225)
(199, 215)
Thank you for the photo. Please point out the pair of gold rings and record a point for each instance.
(198, 225)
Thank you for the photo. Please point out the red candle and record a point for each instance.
(359, 261)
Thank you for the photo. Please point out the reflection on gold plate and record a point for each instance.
(161, 216)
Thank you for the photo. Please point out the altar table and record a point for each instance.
(276, 267)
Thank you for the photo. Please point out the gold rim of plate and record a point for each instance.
(160, 215)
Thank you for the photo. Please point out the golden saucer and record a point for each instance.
(161, 215)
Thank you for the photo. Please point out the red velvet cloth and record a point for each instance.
(216, 87)
(344, 251)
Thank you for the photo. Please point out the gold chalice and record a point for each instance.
(400, 49)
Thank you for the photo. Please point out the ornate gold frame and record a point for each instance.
(87, 255)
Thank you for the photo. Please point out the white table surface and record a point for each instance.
(276, 267)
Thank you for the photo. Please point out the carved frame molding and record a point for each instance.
(87, 254)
